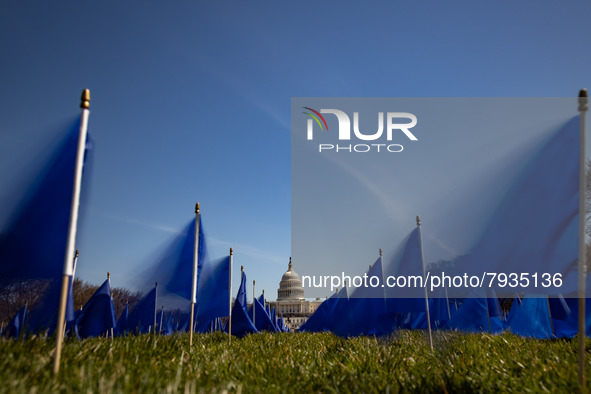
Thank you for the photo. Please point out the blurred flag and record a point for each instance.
(368, 305)
(531, 318)
(16, 326)
(535, 225)
(33, 242)
(322, 318)
(406, 262)
(122, 322)
(173, 268)
(213, 295)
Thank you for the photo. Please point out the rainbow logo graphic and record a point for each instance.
(316, 118)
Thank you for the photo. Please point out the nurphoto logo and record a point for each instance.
(395, 122)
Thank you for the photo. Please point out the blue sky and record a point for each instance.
(191, 100)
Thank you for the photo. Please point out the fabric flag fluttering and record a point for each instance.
(213, 291)
(241, 323)
(141, 318)
(98, 315)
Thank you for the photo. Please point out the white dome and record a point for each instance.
(290, 287)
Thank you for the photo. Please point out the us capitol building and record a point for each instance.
(291, 303)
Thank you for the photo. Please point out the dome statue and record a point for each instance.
(290, 287)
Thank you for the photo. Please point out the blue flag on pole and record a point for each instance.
(406, 262)
(321, 320)
(174, 266)
(213, 295)
(122, 322)
(17, 324)
(535, 225)
(241, 323)
(141, 318)
(531, 318)
(367, 305)
(262, 320)
(33, 243)
(98, 315)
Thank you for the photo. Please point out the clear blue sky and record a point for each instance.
(191, 100)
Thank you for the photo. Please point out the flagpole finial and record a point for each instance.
(381, 253)
(253, 283)
(156, 284)
(583, 99)
(418, 220)
(85, 99)
(263, 291)
(197, 208)
(241, 268)
(231, 252)
(108, 275)
(77, 251)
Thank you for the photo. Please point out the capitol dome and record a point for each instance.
(290, 287)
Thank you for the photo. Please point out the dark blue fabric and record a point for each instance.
(43, 316)
(569, 327)
(213, 295)
(518, 234)
(39, 229)
(262, 320)
(321, 320)
(122, 322)
(98, 315)
(531, 318)
(472, 316)
(141, 318)
(17, 324)
(173, 268)
(241, 323)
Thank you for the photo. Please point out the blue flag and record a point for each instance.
(536, 221)
(174, 267)
(33, 243)
(368, 305)
(213, 293)
(531, 318)
(341, 317)
(98, 315)
(122, 322)
(406, 262)
(17, 324)
(141, 318)
(321, 320)
(43, 316)
(472, 316)
(262, 320)
(241, 323)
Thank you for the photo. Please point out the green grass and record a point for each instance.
(295, 363)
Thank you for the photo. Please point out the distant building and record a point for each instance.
(291, 303)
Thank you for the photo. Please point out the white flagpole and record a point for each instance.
(253, 308)
(74, 264)
(195, 266)
(110, 293)
(161, 315)
(71, 241)
(426, 294)
(583, 107)
(382, 278)
(230, 298)
(155, 307)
